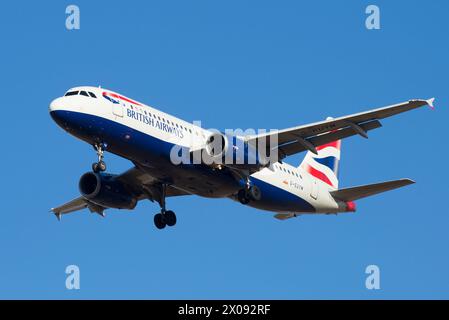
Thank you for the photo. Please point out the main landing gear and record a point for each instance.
(249, 193)
(99, 166)
(164, 218)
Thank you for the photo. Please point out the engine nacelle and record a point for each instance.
(106, 191)
(232, 151)
(217, 146)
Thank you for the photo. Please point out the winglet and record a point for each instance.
(57, 214)
(430, 103)
(101, 213)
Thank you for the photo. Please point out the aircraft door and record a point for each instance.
(314, 189)
(117, 109)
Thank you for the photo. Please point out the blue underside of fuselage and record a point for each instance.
(150, 151)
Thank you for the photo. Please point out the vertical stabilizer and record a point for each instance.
(324, 165)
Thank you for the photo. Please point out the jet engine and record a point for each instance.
(106, 190)
(232, 151)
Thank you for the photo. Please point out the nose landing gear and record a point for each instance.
(99, 166)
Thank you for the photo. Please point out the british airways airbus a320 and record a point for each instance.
(148, 137)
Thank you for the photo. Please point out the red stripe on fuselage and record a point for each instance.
(117, 96)
(318, 174)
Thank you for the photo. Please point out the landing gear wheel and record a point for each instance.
(159, 221)
(254, 193)
(170, 218)
(243, 196)
(165, 217)
(102, 166)
(99, 166)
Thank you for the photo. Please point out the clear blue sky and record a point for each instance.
(231, 64)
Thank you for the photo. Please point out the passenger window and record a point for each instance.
(84, 93)
(71, 93)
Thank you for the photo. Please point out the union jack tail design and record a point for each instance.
(324, 165)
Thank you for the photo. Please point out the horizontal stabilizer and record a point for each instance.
(285, 216)
(354, 193)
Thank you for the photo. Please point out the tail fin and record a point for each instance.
(324, 165)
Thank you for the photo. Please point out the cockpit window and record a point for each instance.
(83, 93)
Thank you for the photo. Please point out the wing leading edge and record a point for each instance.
(308, 137)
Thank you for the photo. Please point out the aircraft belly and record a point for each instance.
(196, 179)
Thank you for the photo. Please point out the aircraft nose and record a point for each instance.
(58, 113)
(55, 105)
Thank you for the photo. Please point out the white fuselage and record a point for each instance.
(144, 135)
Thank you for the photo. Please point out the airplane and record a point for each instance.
(146, 136)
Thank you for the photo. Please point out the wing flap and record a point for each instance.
(355, 193)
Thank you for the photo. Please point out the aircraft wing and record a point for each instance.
(307, 137)
(142, 184)
(74, 205)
